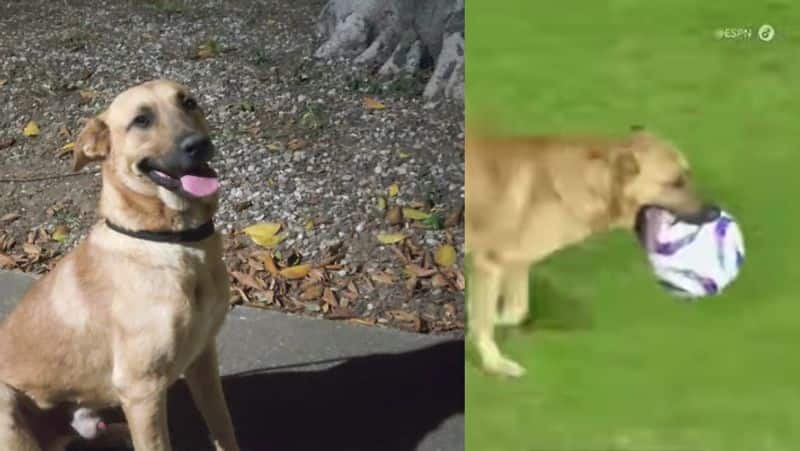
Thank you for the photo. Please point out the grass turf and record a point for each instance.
(617, 364)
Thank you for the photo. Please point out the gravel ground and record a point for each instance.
(298, 146)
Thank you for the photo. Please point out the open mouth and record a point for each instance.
(200, 181)
(650, 220)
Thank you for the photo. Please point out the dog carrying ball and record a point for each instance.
(692, 259)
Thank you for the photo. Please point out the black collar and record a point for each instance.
(181, 236)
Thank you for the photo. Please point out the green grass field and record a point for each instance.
(617, 364)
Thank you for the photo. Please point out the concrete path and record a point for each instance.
(303, 384)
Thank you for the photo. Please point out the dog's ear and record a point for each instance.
(625, 165)
(93, 143)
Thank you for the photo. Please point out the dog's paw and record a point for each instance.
(503, 366)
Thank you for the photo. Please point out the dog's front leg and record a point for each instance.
(147, 417)
(514, 310)
(483, 295)
(206, 388)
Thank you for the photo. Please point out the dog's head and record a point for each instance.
(154, 140)
(650, 172)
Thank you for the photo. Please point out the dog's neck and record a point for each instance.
(166, 212)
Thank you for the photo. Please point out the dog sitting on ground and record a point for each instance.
(140, 301)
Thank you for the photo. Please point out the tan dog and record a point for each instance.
(140, 301)
(529, 197)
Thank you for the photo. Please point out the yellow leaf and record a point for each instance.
(309, 225)
(264, 234)
(68, 146)
(88, 94)
(381, 203)
(404, 155)
(391, 238)
(393, 190)
(413, 213)
(296, 271)
(60, 234)
(263, 228)
(31, 129)
(275, 146)
(445, 255)
(372, 103)
(269, 241)
(207, 49)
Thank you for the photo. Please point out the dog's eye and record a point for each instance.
(142, 121)
(679, 182)
(190, 104)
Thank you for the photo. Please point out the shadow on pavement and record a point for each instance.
(381, 402)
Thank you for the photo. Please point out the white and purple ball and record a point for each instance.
(692, 260)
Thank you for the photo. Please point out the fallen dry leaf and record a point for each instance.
(400, 315)
(3, 82)
(243, 295)
(64, 133)
(381, 204)
(31, 129)
(247, 280)
(295, 144)
(9, 217)
(66, 149)
(206, 50)
(269, 265)
(411, 283)
(265, 234)
(454, 218)
(340, 313)
(60, 234)
(88, 94)
(275, 146)
(391, 238)
(393, 190)
(460, 282)
(394, 216)
(382, 277)
(296, 271)
(309, 225)
(372, 103)
(7, 142)
(7, 262)
(418, 271)
(329, 298)
(31, 249)
(311, 292)
(445, 255)
(439, 281)
(413, 213)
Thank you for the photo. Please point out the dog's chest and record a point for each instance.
(197, 320)
(187, 288)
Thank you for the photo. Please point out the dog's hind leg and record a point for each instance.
(483, 295)
(15, 433)
(514, 308)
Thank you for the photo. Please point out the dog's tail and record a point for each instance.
(15, 431)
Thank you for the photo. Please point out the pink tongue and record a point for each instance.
(199, 186)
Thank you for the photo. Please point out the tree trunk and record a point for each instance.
(402, 36)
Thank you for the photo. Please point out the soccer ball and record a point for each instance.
(691, 259)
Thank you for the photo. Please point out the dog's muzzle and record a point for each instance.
(184, 170)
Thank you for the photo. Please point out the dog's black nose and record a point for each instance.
(707, 214)
(197, 147)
